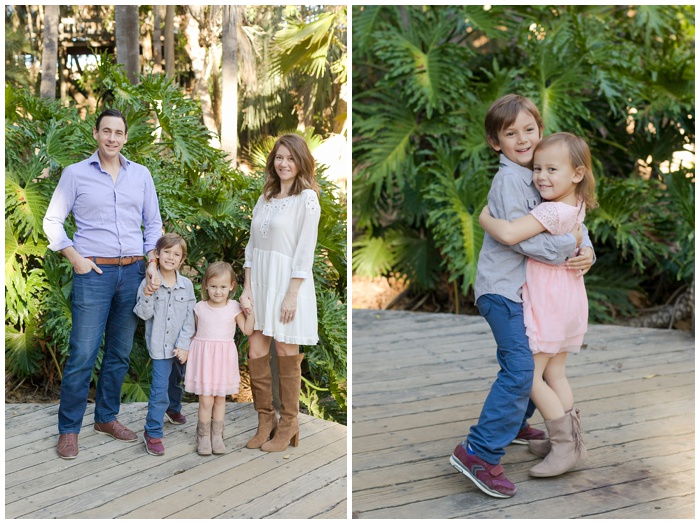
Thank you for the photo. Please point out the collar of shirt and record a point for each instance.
(523, 172)
(179, 280)
(95, 159)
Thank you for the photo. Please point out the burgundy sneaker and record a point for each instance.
(117, 430)
(154, 446)
(67, 446)
(488, 478)
(175, 418)
(527, 434)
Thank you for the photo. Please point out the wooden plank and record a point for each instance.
(416, 395)
(111, 479)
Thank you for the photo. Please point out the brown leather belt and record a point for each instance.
(115, 261)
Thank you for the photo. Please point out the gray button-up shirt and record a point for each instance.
(169, 316)
(501, 268)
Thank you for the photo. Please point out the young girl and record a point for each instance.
(169, 316)
(555, 306)
(212, 369)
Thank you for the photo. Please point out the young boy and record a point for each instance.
(513, 128)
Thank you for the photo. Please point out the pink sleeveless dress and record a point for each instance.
(555, 305)
(212, 364)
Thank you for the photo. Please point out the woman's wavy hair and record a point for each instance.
(304, 160)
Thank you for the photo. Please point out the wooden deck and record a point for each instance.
(419, 381)
(111, 479)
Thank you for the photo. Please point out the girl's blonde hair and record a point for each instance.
(305, 163)
(170, 240)
(580, 157)
(217, 269)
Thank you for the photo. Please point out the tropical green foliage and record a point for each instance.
(201, 197)
(622, 77)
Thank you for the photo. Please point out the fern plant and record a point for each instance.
(423, 79)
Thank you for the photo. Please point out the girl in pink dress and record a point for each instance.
(555, 306)
(212, 363)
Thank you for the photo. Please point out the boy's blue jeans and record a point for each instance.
(159, 399)
(100, 305)
(505, 408)
(175, 389)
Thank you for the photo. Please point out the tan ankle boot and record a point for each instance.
(204, 438)
(567, 447)
(541, 448)
(261, 386)
(290, 387)
(217, 437)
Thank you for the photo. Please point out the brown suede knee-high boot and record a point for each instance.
(261, 386)
(290, 387)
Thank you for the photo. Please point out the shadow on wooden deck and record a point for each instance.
(111, 479)
(419, 381)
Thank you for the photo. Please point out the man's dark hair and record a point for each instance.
(111, 112)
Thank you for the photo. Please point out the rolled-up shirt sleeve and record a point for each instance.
(59, 208)
(303, 260)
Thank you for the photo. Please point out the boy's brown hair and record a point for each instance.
(170, 240)
(504, 111)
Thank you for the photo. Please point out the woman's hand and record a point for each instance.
(289, 308)
(246, 301)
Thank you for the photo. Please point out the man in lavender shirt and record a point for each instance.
(111, 198)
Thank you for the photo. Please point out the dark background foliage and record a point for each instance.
(622, 77)
(201, 197)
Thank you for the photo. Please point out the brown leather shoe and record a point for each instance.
(67, 447)
(117, 430)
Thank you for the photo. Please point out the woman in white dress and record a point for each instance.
(279, 282)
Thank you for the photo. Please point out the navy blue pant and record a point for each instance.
(506, 408)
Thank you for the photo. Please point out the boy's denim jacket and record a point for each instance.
(169, 316)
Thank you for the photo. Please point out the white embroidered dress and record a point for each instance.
(283, 235)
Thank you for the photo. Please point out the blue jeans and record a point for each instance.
(506, 405)
(101, 305)
(175, 389)
(158, 400)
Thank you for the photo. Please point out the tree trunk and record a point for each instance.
(126, 19)
(200, 67)
(49, 57)
(169, 41)
(229, 78)
(157, 46)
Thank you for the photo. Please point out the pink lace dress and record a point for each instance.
(212, 364)
(555, 305)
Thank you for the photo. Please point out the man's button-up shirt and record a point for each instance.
(108, 215)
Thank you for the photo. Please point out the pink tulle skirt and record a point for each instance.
(212, 368)
(555, 308)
